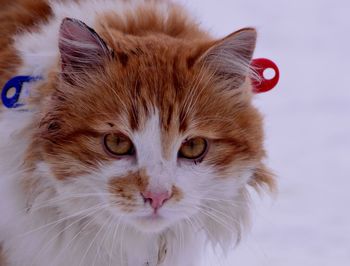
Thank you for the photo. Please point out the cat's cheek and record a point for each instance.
(228, 185)
(194, 182)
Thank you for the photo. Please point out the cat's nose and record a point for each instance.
(156, 199)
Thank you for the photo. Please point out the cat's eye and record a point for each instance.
(118, 145)
(194, 148)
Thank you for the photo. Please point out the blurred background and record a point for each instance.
(307, 128)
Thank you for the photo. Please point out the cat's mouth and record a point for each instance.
(152, 217)
(151, 223)
(155, 217)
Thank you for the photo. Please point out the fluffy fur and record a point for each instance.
(146, 70)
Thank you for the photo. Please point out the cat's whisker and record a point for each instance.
(228, 202)
(218, 219)
(76, 236)
(51, 203)
(114, 239)
(62, 219)
(214, 199)
(93, 240)
(201, 226)
(48, 203)
(216, 211)
(180, 234)
(65, 228)
(102, 241)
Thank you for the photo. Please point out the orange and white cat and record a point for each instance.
(136, 144)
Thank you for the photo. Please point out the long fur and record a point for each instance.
(151, 73)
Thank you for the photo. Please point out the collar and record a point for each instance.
(17, 83)
(262, 83)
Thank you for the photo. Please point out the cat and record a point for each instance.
(137, 141)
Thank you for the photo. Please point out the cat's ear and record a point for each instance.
(231, 56)
(80, 47)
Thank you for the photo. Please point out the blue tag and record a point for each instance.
(16, 83)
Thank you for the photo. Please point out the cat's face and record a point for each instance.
(153, 133)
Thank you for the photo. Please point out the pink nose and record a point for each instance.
(156, 199)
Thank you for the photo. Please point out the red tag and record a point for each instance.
(263, 84)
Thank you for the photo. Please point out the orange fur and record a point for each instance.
(17, 16)
(159, 62)
(2, 257)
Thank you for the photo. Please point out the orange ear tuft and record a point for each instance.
(263, 178)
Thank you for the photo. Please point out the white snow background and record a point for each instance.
(307, 128)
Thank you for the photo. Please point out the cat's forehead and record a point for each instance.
(151, 78)
(162, 54)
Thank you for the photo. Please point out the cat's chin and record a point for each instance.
(154, 223)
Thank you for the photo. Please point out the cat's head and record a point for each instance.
(152, 130)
